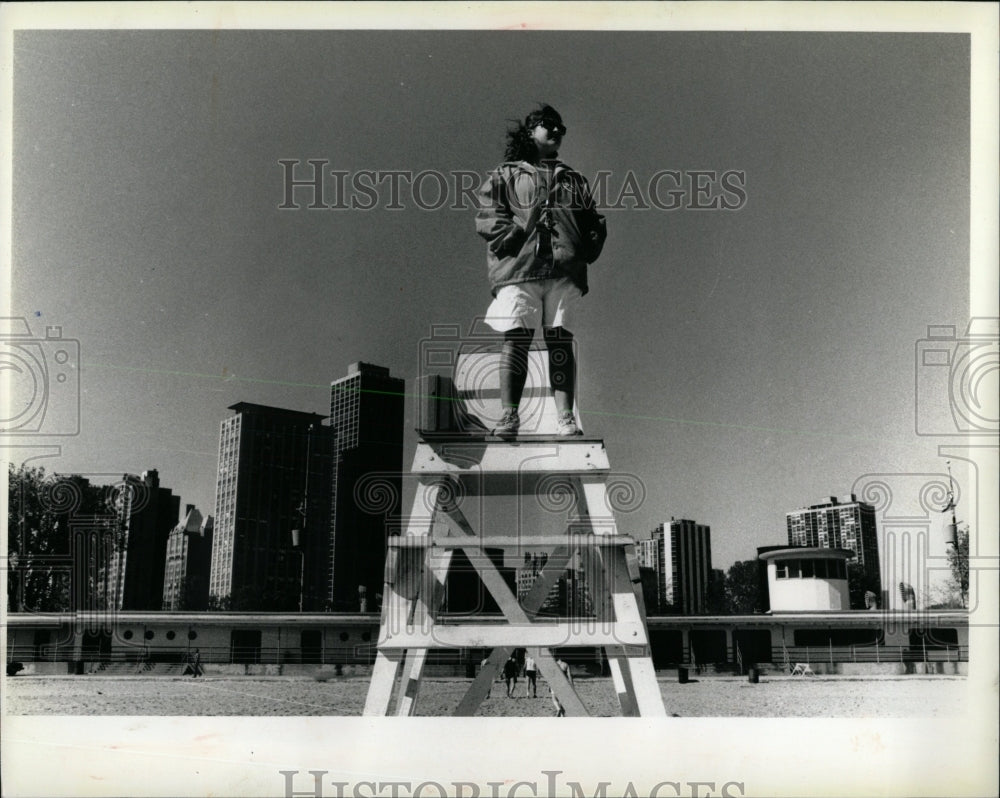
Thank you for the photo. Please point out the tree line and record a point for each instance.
(60, 530)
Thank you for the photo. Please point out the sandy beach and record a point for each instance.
(773, 697)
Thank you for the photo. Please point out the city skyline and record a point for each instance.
(787, 328)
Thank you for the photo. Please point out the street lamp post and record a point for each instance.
(297, 544)
(298, 535)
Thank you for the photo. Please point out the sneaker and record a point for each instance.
(566, 426)
(510, 422)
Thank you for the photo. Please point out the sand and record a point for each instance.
(835, 696)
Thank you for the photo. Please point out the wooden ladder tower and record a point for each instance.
(572, 475)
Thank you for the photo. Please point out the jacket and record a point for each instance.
(538, 225)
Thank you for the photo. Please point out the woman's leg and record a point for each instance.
(562, 367)
(514, 366)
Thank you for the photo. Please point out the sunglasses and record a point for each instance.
(555, 128)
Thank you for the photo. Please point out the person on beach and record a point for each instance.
(196, 669)
(531, 675)
(542, 230)
(560, 709)
(510, 671)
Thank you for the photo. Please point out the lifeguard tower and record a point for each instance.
(459, 463)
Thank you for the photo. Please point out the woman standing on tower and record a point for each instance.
(542, 230)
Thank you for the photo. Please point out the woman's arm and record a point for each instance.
(495, 221)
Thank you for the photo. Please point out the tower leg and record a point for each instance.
(617, 597)
(646, 689)
(403, 571)
(621, 678)
(383, 683)
(424, 614)
(602, 600)
(639, 676)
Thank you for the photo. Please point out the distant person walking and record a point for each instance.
(510, 671)
(196, 669)
(560, 709)
(531, 674)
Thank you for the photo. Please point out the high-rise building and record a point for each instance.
(647, 578)
(527, 573)
(681, 554)
(146, 512)
(274, 477)
(366, 410)
(189, 562)
(646, 552)
(649, 553)
(568, 597)
(841, 524)
(688, 557)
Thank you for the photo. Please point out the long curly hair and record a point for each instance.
(520, 145)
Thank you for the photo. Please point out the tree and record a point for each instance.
(649, 593)
(273, 596)
(742, 589)
(185, 596)
(715, 595)
(956, 590)
(49, 571)
(220, 603)
(855, 585)
(859, 583)
(37, 547)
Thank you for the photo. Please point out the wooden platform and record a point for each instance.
(418, 562)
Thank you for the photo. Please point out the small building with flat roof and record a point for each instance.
(806, 578)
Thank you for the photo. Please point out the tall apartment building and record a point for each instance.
(681, 554)
(366, 410)
(146, 512)
(841, 524)
(568, 596)
(189, 562)
(649, 553)
(275, 472)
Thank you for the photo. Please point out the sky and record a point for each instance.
(740, 363)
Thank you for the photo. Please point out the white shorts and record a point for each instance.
(549, 303)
